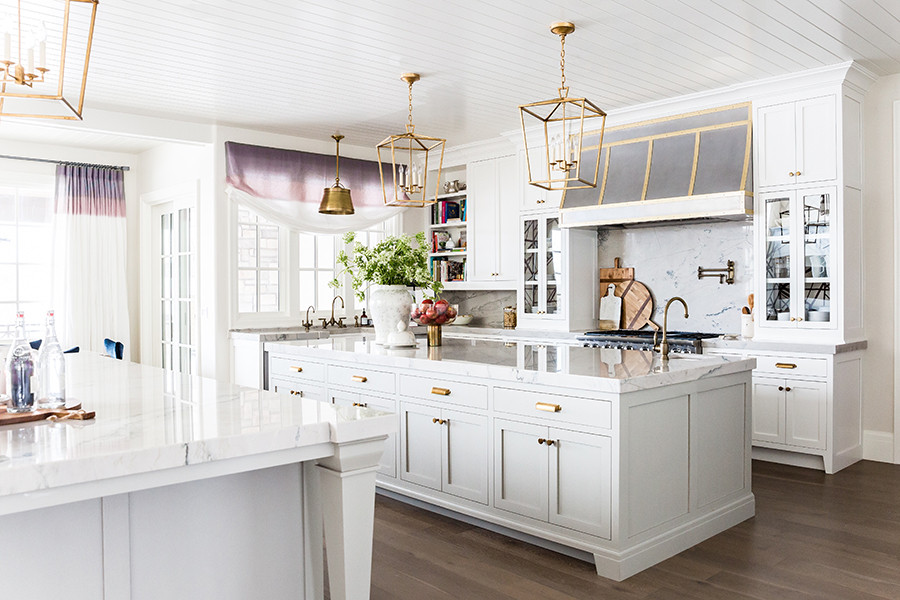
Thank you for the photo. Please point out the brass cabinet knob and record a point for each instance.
(541, 440)
(546, 441)
(793, 319)
(440, 421)
(799, 318)
(780, 388)
(435, 420)
(787, 389)
(551, 442)
(791, 173)
(798, 173)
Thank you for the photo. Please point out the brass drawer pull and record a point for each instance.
(547, 407)
(785, 366)
(361, 404)
(360, 378)
(440, 391)
(298, 369)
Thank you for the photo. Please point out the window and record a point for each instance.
(317, 255)
(257, 265)
(26, 249)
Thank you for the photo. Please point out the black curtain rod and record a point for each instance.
(64, 162)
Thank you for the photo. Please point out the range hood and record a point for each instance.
(693, 166)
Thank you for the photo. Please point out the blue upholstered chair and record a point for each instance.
(114, 349)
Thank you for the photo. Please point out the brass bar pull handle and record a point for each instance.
(298, 369)
(360, 378)
(440, 391)
(785, 366)
(547, 407)
(361, 404)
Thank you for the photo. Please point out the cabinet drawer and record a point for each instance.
(446, 391)
(280, 385)
(582, 411)
(362, 379)
(792, 367)
(296, 368)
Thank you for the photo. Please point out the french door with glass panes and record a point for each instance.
(174, 277)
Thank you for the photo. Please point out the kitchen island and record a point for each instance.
(608, 455)
(185, 487)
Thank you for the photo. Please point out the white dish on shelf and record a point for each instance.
(818, 315)
(390, 346)
(463, 319)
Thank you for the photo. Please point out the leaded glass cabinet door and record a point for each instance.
(778, 225)
(816, 210)
(553, 266)
(531, 266)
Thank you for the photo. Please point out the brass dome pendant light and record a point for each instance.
(556, 157)
(336, 199)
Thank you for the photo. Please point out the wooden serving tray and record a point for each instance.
(72, 412)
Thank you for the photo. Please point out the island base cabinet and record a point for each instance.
(554, 475)
(445, 450)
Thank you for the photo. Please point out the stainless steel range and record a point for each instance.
(685, 342)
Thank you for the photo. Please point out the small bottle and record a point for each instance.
(19, 371)
(363, 319)
(51, 368)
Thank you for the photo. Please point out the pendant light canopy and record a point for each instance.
(336, 199)
(408, 157)
(553, 131)
(44, 56)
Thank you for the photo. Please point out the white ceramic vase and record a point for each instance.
(388, 306)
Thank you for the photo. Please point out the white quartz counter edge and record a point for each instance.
(679, 370)
(752, 345)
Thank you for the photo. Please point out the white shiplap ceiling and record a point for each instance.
(309, 67)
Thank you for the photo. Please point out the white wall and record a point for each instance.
(878, 224)
(132, 208)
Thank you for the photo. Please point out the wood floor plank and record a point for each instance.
(815, 536)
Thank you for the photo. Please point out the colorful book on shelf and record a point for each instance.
(438, 239)
(456, 270)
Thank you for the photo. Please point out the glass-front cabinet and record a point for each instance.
(542, 264)
(799, 258)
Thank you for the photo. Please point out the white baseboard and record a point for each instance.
(878, 445)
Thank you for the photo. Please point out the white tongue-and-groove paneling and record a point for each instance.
(309, 67)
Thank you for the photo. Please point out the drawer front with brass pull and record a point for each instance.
(792, 367)
(444, 391)
(296, 368)
(554, 407)
(361, 378)
(296, 389)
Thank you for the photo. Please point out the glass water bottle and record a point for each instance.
(51, 368)
(19, 371)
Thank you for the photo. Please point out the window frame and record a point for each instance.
(290, 314)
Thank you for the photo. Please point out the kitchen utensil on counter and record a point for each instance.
(745, 310)
(746, 325)
(610, 309)
(750, 303)
(637, 303)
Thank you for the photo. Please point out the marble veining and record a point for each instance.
(665, 259)
(149, 419)
(540, 362)
(485, 306)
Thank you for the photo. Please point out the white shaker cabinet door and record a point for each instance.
(816, 140)
(420, 445)
(465, 456)
(777, 146)
(768, 410)
(581, 481)
(520, 469)
(805, 403)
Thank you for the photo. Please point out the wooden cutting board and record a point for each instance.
(610, 309)
(73, 412)
(616, 274)
(637, 304)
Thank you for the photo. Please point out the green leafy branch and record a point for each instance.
(392, 261)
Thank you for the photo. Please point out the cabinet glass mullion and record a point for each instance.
(531, 265)
(817, 257)
(778, 258)
(553, 265)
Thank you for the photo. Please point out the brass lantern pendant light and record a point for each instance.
(336, 199)
(554, 132)
(410, 157)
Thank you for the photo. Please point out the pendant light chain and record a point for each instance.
(562, 60)
(410, 105)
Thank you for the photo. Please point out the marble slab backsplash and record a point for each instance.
(665, 259)
(486, 307)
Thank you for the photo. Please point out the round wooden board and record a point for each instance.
(637, 304)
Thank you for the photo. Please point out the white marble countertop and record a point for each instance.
(151, 420)
(739, 344)
(551, 363)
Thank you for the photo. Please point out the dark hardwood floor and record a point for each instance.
(814, 536)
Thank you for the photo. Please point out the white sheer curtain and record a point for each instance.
(90, 290)
(286, 186)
